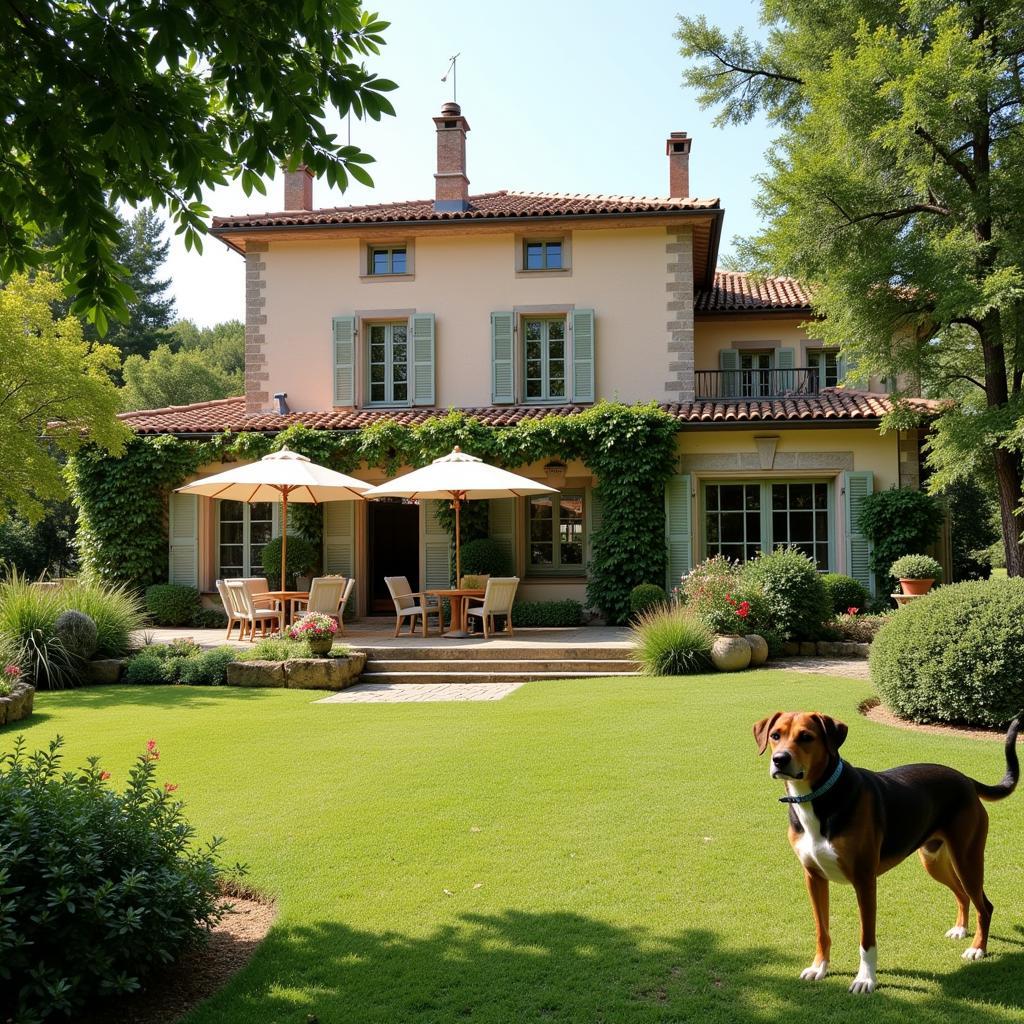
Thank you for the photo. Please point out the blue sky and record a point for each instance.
(563, 95)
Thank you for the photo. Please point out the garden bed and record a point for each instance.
(17, 704)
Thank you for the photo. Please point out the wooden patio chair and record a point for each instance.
(233, 619)
(349, 587)
(407, 607)
(244, 607)
(497, 600)
(325, 594)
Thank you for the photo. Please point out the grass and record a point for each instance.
(586, 851)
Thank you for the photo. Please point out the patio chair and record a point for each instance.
(260, 585)
(475, 582)
(244, 607)
(497, 600)
(325, 594)
(349, 587)
(406, 606)
(233, 619)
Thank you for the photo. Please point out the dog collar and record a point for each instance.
(815, 793)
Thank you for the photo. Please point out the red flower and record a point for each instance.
(170, 787)
(744, 609)
(152, 754)
(852, 611)
(104, 776)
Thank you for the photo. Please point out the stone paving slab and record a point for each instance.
(848, 668)
(404, 693)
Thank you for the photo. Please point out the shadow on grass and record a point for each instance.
(518, 966)
(121, 695)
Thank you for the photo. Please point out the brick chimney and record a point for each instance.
(298, 188)
(451, 184)
(677, 146)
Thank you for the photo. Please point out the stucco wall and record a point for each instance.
(620, 273)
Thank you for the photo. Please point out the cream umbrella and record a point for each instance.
(280, 476)
(459, 477)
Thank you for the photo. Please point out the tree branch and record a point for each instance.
(731, 68)
(948, 158)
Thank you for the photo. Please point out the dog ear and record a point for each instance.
(833, 731)
(763, 728)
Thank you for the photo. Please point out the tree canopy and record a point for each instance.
(154, 103)
(48, 373)
(894, 190)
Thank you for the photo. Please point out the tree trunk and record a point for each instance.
(1008, 483)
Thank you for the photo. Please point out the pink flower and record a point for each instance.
(104, 776)
(170, 787)
(12, 671)
(852, 611)
(152, 754)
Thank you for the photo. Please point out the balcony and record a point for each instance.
(802, 381)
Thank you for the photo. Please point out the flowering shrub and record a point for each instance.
(854, 627)
(12, 673)
(100, 888)
(715, 593)
(314, 626)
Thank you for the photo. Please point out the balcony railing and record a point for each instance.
(756, 384)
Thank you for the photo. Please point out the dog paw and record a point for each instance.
(863, 986)
(815, 972)
(973, 953)
(957, 932)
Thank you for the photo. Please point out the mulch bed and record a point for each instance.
(198, 974)
(878, 712)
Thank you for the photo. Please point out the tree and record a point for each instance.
(223, 344)
(48, 375)
(167, 378)
(153, 103)
(894, 190)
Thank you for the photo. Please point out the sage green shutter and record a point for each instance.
(678, 529)
(858, 548)
(344, 360)
(339, 554)
(183, 539)
(729, 363)
(785, 359)
(503, 358)
(437, 550)
(421, 327)
(595, 517)
(501, 527)
(583, 355)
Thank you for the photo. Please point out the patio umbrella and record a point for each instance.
(280, 476)
(459, 477)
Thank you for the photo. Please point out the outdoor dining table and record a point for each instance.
(459, 598)
(287, 598)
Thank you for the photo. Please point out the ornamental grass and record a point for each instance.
(671, 641)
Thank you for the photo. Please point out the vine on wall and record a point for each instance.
(630, 449)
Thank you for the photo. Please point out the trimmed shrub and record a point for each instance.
(916, 567)
(644, 596)
(954, 654)
(101, 889)
(275, 648)
(171, 604)
(671, 641)
(547, 614)
(484, 557)
(303, 558)
(898, 522)
(209, 668)
(796, 602)
(147, 668)
(77, 632)
(845, 593)
(209, 618)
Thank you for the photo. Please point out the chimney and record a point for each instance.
(451, 184)
(677, 146)
(298, 188)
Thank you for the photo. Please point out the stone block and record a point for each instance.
(808, 649)
(103, 671)
(828, 648)
(256, 673)
(790, 648)
(324, 673)
(18, 704)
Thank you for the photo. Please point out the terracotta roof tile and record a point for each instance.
(734, 292)
(489, 205)
(228, 414)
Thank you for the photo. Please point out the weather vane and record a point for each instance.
(451, 71)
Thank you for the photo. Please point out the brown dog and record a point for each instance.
(850, 825)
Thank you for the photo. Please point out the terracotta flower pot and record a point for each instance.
(916, 587)
(758, 648)
(730, 653)
(321, 648)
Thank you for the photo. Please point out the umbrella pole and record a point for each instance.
(458, 543)
(284, 539)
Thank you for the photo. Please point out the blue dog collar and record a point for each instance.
(815, 793)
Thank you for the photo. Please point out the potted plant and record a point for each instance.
(317, 630)
(916, 573)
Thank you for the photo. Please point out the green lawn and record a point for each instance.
(589, 851)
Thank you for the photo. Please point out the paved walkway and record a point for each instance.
(406, 693)
(847, 668)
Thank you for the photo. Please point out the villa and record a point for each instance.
(514, 306)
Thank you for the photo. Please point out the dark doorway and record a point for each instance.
(394, 548)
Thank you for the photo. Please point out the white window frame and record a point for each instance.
(389, 399)
(546, 398)
(275, 531)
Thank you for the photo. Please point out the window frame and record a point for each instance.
(389, 401)
(545, 244)
(557, 568)
(821, 355)
(546, 398)
(373, 250)
(246, 544)
(763, 373)
(522, 240)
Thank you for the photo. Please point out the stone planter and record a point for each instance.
(916, 587)
(321, 648)
(17, 704)
(299, 673)
(730, 653)
(758, 648)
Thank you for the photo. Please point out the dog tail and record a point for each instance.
(1009, 781)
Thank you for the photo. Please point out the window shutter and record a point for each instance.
(858, 548)
(678, 529)
(847, 372)
(729, 363)
(421, 328)
(503, 358)
(583, 355)
(344, 360)
(595, 517)
(785, 359)
(437, 550)
(183, 537)
(501, 526)
(339, 538)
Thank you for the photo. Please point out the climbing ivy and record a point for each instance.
(630, 449)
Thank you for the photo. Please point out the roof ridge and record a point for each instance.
(209, 403)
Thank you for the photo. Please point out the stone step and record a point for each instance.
(590, 666)
(482, 677)
(481, 651)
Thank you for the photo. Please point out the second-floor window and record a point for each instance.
(544, 348)
(386, 260)
(542, 255)
(827, 364)
(755, 375)
(388, 363)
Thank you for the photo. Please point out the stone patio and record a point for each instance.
(403, 693)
